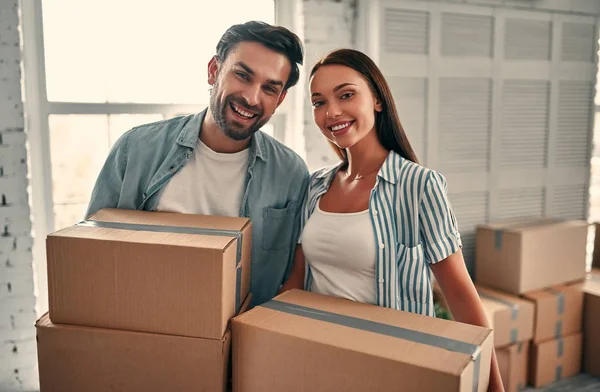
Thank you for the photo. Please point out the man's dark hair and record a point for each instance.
(276, 38)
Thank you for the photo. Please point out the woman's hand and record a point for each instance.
(464, 303)
(296, 279)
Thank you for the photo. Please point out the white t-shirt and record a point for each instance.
(210, 183)
(340, 249)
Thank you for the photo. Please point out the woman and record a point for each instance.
(377, 223)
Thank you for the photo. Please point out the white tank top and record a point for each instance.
(340, 249)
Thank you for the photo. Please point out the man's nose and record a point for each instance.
(251, 95)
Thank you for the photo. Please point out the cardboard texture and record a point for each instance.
(135, 279)
(555, 360)
(73, 358)
(513, 362)
(591, 339)
(528, 255)
(511, 317)
(558, 312)
(303, 341)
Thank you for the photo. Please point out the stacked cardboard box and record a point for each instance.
(512, 319)
(303, 341)
(539, 260)
(142, 301)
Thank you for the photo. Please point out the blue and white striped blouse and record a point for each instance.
(414, 227)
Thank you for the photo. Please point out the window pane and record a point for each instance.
(137, 50)
(118, 124)
(78, 147)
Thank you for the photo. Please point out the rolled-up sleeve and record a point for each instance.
(438, 225)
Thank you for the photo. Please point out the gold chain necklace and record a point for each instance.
(359, 177)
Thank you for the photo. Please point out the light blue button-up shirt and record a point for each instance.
(145, 158)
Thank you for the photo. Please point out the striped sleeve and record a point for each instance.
(438, 226)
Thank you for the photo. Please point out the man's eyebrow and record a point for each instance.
(251, 72)
(246, 68)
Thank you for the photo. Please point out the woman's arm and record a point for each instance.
(296, 279)
(464, 302)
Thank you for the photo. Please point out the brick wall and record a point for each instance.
(328, 25)
(18, 370)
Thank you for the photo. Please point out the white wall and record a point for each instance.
(18, 371)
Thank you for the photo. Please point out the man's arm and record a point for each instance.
(107, 189)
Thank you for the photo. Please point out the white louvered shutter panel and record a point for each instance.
(577, 42)
(574, 123)
(405, 31)
(527, 39)
(569, 201)
(470, 209)
(410, 98)
(520, 203)
(524, 126)
(464, 124)
(466, 35)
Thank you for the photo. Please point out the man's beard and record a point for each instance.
(231, 128)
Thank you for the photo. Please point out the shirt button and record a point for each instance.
(144, 196)
(375, 212)
(173, 169)
(381, 246)
(381, 280)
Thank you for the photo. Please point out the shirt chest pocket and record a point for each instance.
(278, 226)
(412, 275)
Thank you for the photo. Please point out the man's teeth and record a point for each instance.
(242, 112)
(341, 126)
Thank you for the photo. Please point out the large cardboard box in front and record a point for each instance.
(558, 312)
(555, 359)
(527, 255)
(74, 358)
(303, 341)
(167, 273)
(513, 362)
(511, 317)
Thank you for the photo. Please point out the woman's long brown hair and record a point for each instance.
(387, 123)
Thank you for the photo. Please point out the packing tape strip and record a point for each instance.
(514, 332)
(560, 309)
(560, 348)
(183, 230)
(384, 329)
(498, 239)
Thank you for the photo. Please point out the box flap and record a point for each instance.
(527, 224)
(161, 228)
(427, 342)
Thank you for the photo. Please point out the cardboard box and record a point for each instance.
(591, 326)
(303, 341)
(157, 272)
(511, 317)
(554, 360)
(513, 362)
(528, 255)
(558, 312)
(74, 358)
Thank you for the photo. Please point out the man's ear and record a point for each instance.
(213, 69)
(281, 98)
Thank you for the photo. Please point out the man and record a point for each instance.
(218, 162)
